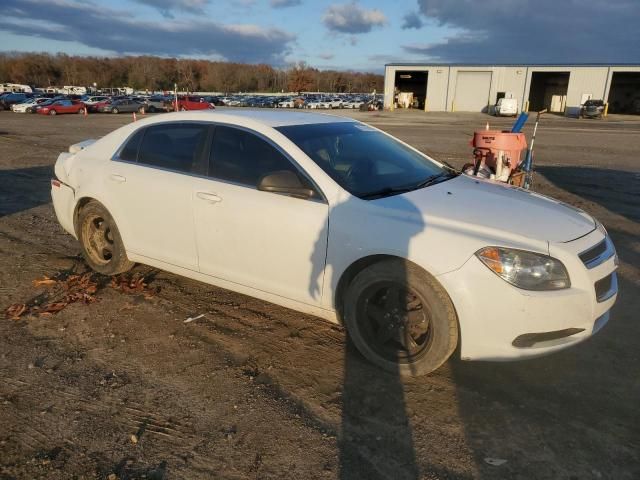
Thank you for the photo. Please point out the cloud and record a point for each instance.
(166, 7)
(120, 32)
(418, 49)
(412, 20)
(285, 3)
(326, 56)
(536, 31)
(352, 18)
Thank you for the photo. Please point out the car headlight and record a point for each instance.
(526, 270)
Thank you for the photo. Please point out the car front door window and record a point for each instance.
(241, 157)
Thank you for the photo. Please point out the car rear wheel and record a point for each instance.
(152, 109)
(100, 240)
(115, 110)
(52, 112)
(400, 318)
(81, 111)
(141, 110)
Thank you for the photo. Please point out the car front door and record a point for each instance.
(150, 182)
(270, 242)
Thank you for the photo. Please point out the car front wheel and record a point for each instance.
(52, 112)
(115, 110)
(100, 240)
(400, 318)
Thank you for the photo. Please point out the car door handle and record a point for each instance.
(209, 197)
(118, 178)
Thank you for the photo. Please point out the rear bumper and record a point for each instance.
(63, 198)
(501, 322)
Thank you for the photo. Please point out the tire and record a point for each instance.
(429, 325)
(100, 240)
(52, 112)
(152, 109)
(115, 110)
(81, 111)
(183, 109)
(141, 110)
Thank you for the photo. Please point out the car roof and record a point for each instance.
(271, 118)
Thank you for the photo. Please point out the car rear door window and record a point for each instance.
(174, 146)
(241, 157)
(129, 152)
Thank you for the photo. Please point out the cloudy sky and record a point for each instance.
(347, 35)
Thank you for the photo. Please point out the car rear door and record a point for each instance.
(267, 241)
(150, 182)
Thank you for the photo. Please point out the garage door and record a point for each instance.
(472, 91)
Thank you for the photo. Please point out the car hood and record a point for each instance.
(486, 205)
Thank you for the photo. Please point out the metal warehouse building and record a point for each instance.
(475, 87)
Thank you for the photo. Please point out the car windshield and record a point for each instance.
(365, 162)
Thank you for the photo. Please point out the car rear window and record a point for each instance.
(174, 146)
(130, 151)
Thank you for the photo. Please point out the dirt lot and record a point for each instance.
(253, 390)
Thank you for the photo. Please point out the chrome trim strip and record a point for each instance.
(609, 252)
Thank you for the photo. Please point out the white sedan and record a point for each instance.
(28, 105)
(334, 218)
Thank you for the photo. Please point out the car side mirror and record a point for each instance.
(285, 182)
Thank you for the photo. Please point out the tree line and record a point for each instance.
(156, 73)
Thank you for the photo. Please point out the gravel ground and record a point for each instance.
(123, 388)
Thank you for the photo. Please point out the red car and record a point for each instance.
(97, 106)
(189, 103)
(62, 106)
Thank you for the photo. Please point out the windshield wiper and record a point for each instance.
(432, 180)
(387, 191)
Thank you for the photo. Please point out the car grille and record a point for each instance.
(598, 254)
(593, 253)
(606, 287)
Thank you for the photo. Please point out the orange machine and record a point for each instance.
(497, 154)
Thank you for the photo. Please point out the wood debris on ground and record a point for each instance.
(76, 288)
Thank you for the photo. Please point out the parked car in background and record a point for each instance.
(506, 107)
(214, 100)
(92, 102)
(8, 99)
(62, 106)
(286, 103)
(47, 102)
(124, 105)
(354, 103)
(592, 109)
(98, 106)
(189, 102)
(29, 105)
(157, 103)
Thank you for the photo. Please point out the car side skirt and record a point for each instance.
(325, 314)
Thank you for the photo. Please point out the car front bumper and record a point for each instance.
(501, 322)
